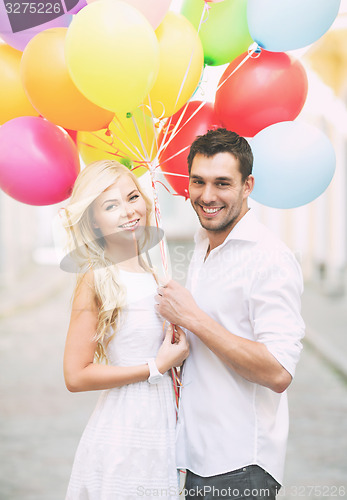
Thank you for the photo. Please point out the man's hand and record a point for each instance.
(176, 304)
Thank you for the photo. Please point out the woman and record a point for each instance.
(127, 448)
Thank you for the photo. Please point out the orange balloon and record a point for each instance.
(50, 88)
(13, 101)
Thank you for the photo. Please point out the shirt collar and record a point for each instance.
(247, 229)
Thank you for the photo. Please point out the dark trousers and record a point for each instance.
(251, 483)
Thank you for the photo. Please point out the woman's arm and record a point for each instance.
(80, 373)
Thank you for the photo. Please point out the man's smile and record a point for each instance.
(210, 211)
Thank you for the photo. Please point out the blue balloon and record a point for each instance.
(281, 25)
(293, 164)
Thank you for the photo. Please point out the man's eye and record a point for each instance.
(197, 182)
(222, 184)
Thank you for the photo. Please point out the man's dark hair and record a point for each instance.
(222, 140)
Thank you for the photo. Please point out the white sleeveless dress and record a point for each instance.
(127, 450)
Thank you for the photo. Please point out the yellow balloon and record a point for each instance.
(129, 140)
(181, 65)
(13, 100)
(112, 54)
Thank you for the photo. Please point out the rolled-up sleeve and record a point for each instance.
(275, 307)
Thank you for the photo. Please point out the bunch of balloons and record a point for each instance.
(115, 79)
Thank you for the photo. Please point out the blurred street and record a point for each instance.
(41, 422)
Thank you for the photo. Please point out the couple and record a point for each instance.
(238, 326)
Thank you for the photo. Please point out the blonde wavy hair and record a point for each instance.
(87, 248)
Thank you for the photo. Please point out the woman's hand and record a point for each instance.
(172, 354)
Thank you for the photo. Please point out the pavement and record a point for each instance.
(41, 422)
(326, 326)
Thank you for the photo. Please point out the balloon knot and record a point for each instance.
(129, 115)
(254, 50)
(108, 132)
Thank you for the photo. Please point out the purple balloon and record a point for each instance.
(19, 26)
(77, 8)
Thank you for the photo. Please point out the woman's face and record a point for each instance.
(119, 211)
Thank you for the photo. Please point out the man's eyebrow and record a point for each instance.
(229, 179)
(222, 178)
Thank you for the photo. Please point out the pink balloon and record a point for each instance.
(153, 10)
(39, 162)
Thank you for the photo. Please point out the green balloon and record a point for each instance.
(224, 34)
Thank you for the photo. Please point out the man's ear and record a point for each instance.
(248, 186)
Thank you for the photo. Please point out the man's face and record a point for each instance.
(217, 192)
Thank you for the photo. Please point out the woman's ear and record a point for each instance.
(94, 224)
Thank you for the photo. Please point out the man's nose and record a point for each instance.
(208, 194)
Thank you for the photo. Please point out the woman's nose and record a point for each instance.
(127, 209)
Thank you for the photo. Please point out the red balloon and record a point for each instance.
(269, 89)
(204, 120)
(39, 162)
(72, 134)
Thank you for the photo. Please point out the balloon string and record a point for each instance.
(135, 151)
(111, 145)
(167, 189)
(167, 127)
(248, 56)
(144, 119)
(185, 77)
(173, 174)
(177, 129)
(206, 11)
(140, 138)
(174, 155)
(191, 56)
(115, 153)
(153, 126)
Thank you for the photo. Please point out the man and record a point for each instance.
(241, 308)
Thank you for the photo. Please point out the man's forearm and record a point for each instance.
(250, 359)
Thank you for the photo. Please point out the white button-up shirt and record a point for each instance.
(251, 285)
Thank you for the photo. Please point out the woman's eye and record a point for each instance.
(109, 207)
(134, 197)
